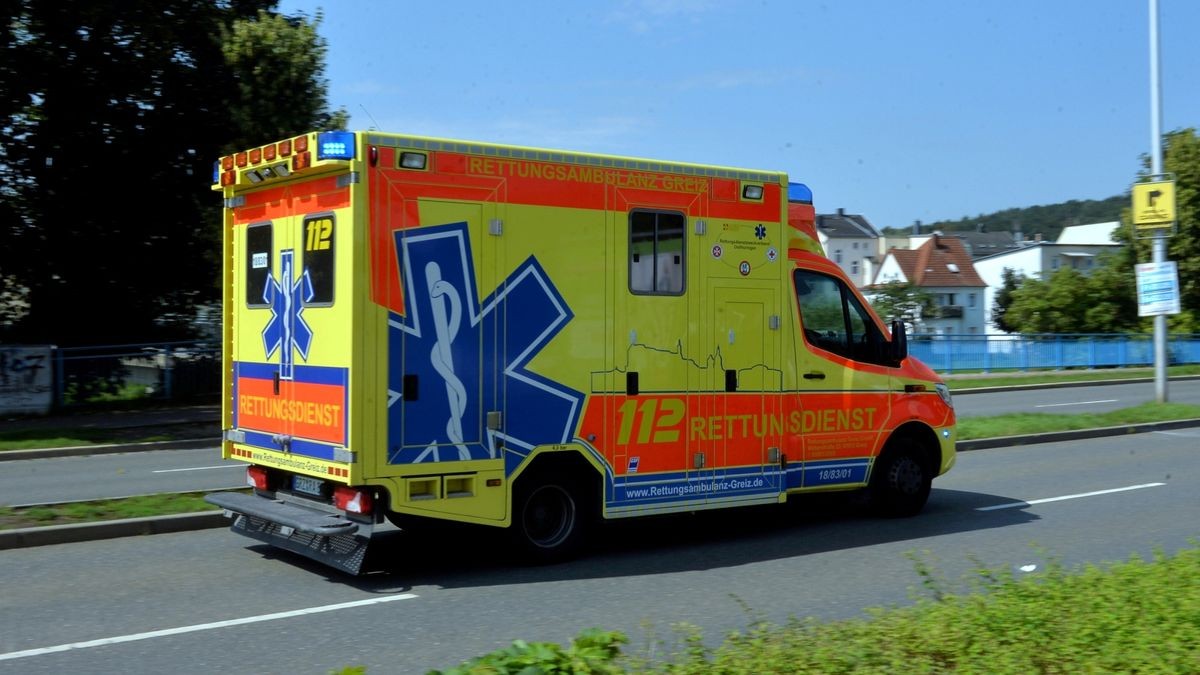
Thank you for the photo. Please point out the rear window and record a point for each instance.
(318, 257)
(258, 263)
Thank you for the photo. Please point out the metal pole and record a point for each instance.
(1160, 238)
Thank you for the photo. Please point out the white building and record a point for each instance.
(1077, 247)
(941, 267)
(850, 241)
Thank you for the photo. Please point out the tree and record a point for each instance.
(901, 300)
(282, 60)
(1181, 156)
(1010, 281)
(1070, 302)
(113, 114)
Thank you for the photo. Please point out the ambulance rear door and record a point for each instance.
(293, 322)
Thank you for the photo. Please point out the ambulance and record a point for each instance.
(421, 330)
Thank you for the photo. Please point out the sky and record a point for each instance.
(897, 110)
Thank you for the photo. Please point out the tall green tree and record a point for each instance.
(277, 60)
(112, 114)
(1181, 156)
(901, 300)
(1069, 301)
(1009, 283)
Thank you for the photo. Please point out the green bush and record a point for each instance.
(592, 652)
(1136, 616)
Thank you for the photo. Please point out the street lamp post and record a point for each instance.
(1160, 236)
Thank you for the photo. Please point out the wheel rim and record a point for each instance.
(548, 516)
(906, 476)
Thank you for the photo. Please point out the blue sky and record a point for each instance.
(899, 110)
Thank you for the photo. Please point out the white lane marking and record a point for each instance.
(1056, 405)
(201, 468)
(1013, 505)
(201, 626)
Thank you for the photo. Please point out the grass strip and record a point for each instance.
(1015, 424)
(958, 382)
(60, 439)
(103, 509)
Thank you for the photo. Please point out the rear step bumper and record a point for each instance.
(298, 518)
(325, 537)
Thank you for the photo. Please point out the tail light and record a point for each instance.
(353, 500)
(257, 478)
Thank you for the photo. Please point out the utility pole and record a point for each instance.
(1160, 235)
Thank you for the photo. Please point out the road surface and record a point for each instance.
(212, 601)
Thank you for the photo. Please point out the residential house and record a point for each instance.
(941, 267)
(850, 241)
(980, 243)
(1077, 247)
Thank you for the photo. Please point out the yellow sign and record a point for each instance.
(1153, 204)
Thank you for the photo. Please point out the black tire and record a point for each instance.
(550, 519)
(901, 480)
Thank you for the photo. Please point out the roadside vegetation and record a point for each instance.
(1016, 424)
(104, 509)
(1137, 616)
(960, 382)
(65, 437)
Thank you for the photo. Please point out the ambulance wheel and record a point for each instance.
(550, 519)
(901, 480)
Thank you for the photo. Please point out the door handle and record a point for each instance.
(814, 375)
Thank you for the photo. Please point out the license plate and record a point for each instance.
(309, 486)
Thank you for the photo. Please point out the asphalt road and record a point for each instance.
(59, 479)
(1071, 400)
(212, 601)
(106, 476)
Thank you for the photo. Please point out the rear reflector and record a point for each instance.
(256, 477)
(352, 499)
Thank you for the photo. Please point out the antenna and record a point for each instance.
(374, 124)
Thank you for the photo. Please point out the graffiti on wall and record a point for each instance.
(26, 386)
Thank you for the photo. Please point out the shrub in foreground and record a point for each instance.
(1137, 616)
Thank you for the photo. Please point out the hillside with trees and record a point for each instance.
(1047, 220)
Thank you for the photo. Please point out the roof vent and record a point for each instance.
(952, 267)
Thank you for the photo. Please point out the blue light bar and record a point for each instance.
(335, 145)
(799, 192)
(217, 171)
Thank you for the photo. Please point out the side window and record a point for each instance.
(656, 252)
(835, 320)
(317, 260)
(258, 263)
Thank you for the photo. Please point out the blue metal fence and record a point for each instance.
(165, 371)
(987, 353)
(188, 370)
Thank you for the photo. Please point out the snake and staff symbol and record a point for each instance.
(447, 317)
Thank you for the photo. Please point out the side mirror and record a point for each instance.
(898, 347)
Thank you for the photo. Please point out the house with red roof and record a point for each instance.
(941, 267)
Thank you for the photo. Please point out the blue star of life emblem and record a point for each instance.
(287, 329)
(760, 232)
(458, 387)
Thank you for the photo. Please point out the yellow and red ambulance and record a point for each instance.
(421, 329)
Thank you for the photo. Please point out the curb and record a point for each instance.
(204, 520)
(1078, 434)
(109, 449)
(73, 533)
(1060, 385)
